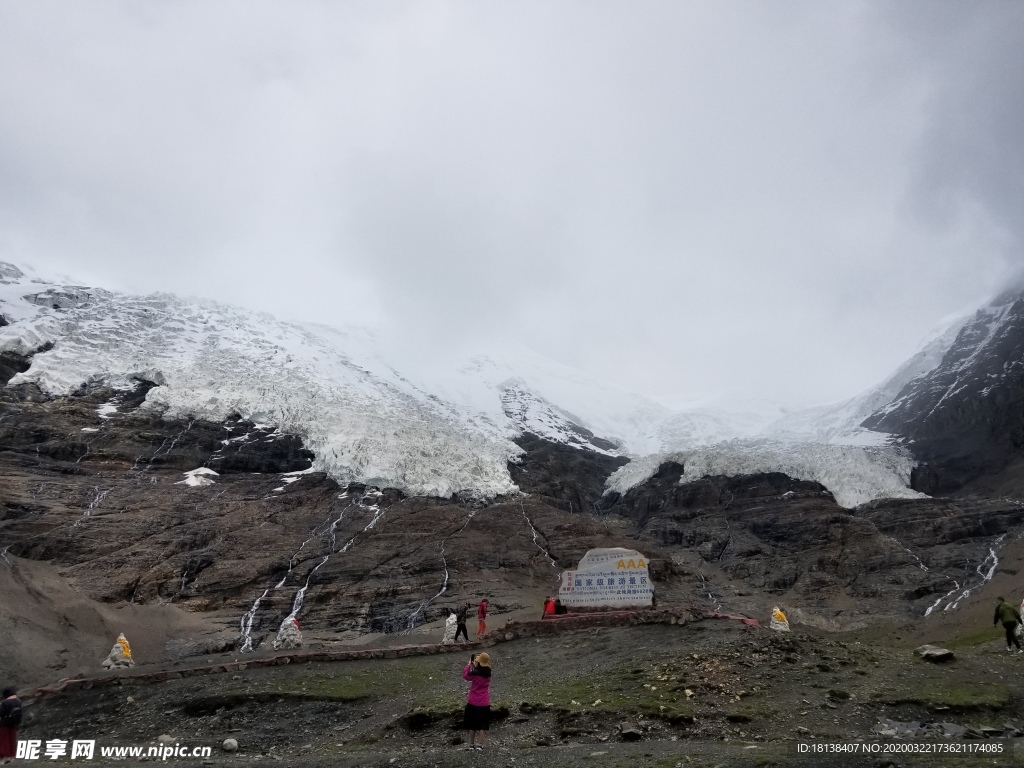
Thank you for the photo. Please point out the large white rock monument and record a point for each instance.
(608, 578)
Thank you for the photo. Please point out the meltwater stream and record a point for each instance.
(422, 607)
(250, 615)
(535, 533)
(327, 530)
(985, 570)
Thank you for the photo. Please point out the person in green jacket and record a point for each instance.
(1010, 617)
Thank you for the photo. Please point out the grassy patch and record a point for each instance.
(979, 638)
(618, 690)
(421, 681)
(961, 697)
(750, 712)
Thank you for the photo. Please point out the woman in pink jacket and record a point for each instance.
(478, 706)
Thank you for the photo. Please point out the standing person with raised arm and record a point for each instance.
(461, 617)
(477, 717)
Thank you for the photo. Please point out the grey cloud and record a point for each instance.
(684, 198)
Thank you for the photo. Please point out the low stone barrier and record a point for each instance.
(552, 625)
(513, 630)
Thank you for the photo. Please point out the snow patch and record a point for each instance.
(853, 474)
(198, 478)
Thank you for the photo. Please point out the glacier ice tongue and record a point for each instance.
(854, 474)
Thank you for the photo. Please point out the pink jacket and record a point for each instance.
(479, 685)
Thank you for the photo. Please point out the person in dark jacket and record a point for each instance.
(10, 719)
(477, 717)
(1010, 618)
(461, 617)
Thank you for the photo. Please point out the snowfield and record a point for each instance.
(439, 432)
(853, 474)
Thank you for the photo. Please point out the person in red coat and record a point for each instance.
(481, 618)
(549, 607)
(10, 719)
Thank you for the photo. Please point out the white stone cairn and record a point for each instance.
(450, 628)
(289, 635)
(779, 621)
(120, 656)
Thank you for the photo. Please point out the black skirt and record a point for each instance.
(476, 718)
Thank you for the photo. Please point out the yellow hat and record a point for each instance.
(483, 660)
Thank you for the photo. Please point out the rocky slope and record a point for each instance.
(752, 538)
(965, 417)
(225, 529)
(107, 493)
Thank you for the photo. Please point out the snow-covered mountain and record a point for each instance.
(842, 423)
(965, 416)
(370, 416)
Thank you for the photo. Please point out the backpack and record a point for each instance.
(10, 713)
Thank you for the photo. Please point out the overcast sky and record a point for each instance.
(685, 198)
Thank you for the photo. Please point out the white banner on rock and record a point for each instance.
(607, 578)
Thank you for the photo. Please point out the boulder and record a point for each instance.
(630, 733)
(934, 654)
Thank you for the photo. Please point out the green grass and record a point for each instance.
(419, 680)
(979, 638)
(750, 712)
(961, 696)
(621, 689)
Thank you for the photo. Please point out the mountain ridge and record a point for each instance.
(369, 420)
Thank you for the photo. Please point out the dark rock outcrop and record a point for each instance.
(567, 477)
(13, 363)
(789, 538)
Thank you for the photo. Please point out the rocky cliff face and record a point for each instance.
(99, 488)
(965, 417)
(562, 475)
(750, 536)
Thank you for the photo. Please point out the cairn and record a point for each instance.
(450, 627)
(120, 655)
(779, 621)
(289, 635)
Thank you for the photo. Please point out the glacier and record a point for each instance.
(854, 474)
(426, 431)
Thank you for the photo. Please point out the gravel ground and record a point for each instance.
(710, 693)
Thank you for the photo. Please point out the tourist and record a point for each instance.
(10, 719)
(481, 619)
(1010, 618)
(477, 716)
(462, 616)
(549, 607)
